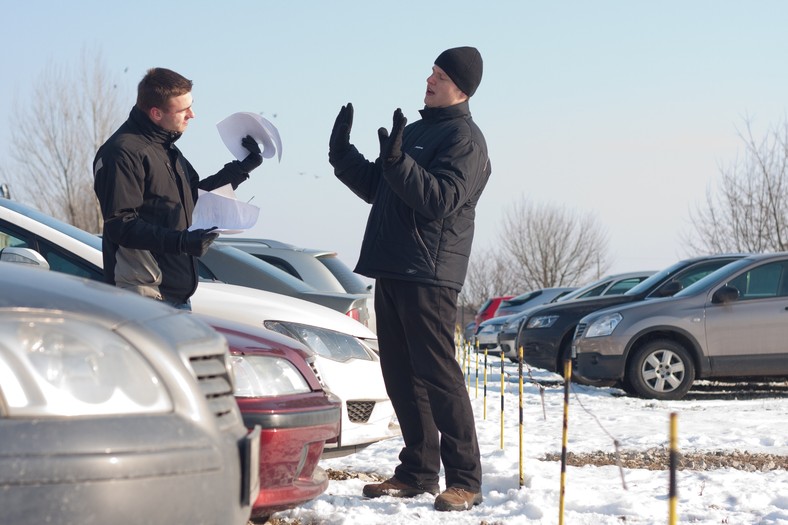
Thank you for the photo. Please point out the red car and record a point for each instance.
(277, 389)
(487, 310)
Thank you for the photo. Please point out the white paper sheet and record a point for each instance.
(220, 208)
(238, 125)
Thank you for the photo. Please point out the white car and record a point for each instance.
(345, 363)
(345, 360)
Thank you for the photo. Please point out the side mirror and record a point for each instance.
(670, 289)
(726, 294)
(23, 256)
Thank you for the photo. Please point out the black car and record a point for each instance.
(546, 338)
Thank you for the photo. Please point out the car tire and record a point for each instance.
(661, 369)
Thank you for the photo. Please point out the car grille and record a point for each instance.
(216, 385)
(579, 330)
(360, 411)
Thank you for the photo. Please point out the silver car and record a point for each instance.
(320, 269)
(228, 264)
(731, 323)
(114, 408)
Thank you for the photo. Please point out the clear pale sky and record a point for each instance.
(624, 109)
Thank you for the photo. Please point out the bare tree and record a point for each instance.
(547, 246)
(55, 135)
(749, 212)
(488, 276)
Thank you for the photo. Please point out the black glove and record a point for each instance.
(391, 145)
(254, 158)
(196, 242)
(339, 142)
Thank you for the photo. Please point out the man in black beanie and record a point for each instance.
(423, 187)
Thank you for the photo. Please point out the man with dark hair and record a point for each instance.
(147, 191)
(423, 187)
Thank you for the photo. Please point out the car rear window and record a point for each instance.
(350, 281)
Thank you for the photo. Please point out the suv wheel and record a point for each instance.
(661, 369)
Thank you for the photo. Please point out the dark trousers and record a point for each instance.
(415, 327)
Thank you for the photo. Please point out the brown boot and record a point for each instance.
(396, 488)
(455, 498)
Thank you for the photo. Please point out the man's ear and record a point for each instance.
(155, 114)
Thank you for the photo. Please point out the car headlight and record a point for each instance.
(64, 366)
(545, 321)
(603, 326)
(326, 343)
(264, 376)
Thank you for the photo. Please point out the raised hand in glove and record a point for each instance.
(339, 142)
(196, 242)
(254, 158)
(391, 145)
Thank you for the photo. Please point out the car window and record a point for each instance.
(58, 259)
(767, 280)
(691, 275)
(520, 299)
(596, 291)
(279, 263)
(623, 285)
(349, 280)
(64, 262)
(11, 239)
(205, 273)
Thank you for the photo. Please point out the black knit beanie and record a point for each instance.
(464, 67)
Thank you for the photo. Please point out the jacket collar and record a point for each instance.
(457, 110)
(152, 131)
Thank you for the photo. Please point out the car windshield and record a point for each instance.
(655, 279)
(704, 282)
(520, 299)
(585, 289)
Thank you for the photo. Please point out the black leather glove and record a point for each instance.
(339, 142)
(254, 158)
(391, 145)
(196, 242)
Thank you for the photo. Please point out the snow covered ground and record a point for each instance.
(598, 417)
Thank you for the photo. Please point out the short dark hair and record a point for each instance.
(158, 86)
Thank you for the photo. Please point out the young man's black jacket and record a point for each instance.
(421, 224)
(147, 190)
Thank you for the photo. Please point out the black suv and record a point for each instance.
(546, 337)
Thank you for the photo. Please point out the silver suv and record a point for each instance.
(731, 323)
(114, 408)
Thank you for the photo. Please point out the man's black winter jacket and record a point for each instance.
(147, 190)
(421, 224)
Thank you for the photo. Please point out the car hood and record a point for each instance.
(253, 306)
(23, 287)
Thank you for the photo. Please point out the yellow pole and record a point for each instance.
(485, 384)
(503, 387)
(673, 461)
(520, 375)
(477, 370)
(468, 364)
(567, 381)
